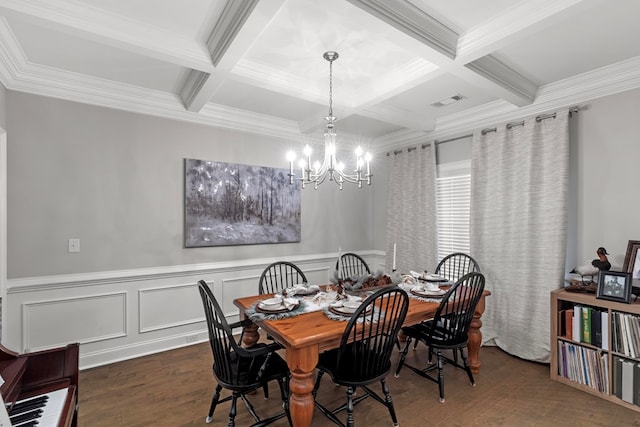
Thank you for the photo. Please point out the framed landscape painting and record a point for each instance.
(233, 204)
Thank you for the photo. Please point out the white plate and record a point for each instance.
(350, 306)
(433, 278)
(434, 293)
(271, 303)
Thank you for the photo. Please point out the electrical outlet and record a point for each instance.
(73, 245)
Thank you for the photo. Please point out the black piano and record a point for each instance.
(41, 388)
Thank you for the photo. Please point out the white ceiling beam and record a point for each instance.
(515, 23)
(241, 23)
(405, 17)
(112, 30)
(502, 81)
(488, 74)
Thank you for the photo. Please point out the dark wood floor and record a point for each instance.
(174, 389)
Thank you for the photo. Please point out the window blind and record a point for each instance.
(453, 195)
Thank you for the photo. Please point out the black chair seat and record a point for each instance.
(246, 371)
(343, 373)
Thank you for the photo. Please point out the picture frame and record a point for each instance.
(229, 204)
(614, 286)
(632, 259)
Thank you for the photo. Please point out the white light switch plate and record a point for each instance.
(74, 245)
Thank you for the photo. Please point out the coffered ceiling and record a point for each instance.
(257, 66)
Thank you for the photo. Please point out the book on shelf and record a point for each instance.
(617, 377)
(596, 328)
(577, 322)
(627, 381)
(562, 324)
(585, 328)
(568, 318)
(636, 384)
(605, 329)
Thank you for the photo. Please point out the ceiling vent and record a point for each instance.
(448, 100)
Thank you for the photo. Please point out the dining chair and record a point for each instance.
(448, 330)
(351, 265)
(280, 275)
(363, 357)
(241, 370)
(455, 265)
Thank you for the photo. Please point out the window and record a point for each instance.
(453, 195)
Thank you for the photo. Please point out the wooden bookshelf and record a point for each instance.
(563, 300)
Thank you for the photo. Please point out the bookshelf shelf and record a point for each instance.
(609, 358)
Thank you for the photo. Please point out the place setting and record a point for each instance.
(277, 304)
(424, 285)
(302, 289)
(428, 290)
(289, 302)
(347, 307)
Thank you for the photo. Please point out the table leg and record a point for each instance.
(475, 337)
(251, 335)
(302, 362)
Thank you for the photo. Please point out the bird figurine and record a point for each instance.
(601, 263)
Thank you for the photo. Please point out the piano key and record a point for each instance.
(25, 416)
(26, 405)
(52, 410)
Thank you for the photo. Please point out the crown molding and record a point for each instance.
(605, 81)
(81, 88)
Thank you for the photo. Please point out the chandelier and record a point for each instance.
(315, 172)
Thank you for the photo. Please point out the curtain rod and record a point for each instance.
(435, 142)
(509, 126)
(409, 149)
(539, 118)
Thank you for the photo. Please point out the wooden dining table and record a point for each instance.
(307, 335)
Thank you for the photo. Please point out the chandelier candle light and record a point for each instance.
(330, 167)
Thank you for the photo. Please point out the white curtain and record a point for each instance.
(411, 214)
(519, 183)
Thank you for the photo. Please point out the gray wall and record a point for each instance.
(114, 180)
(606, 151)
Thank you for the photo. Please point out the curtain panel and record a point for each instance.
(519, 186)
(411, 214)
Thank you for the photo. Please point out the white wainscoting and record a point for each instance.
(120, 315)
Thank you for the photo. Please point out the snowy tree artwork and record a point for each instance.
(232, 204)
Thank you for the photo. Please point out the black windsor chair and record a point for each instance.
(448, 330)
(241, 370)
(351, 265)
(455, 265)
(280, 275)
(363, 357)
